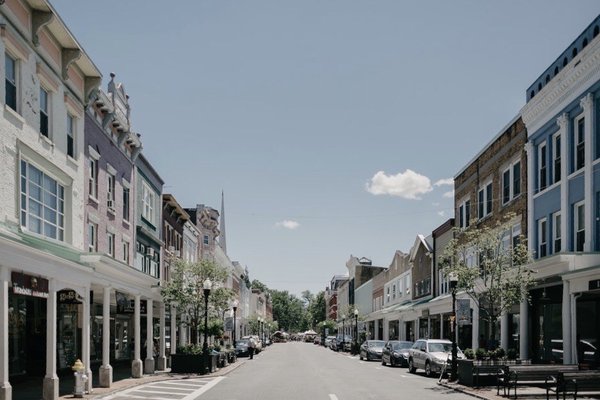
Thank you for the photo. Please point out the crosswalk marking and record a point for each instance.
(188, 389)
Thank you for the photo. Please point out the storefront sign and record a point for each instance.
(127, 306)
(425, 313)
(463, 311)
(594, 285)
(69, 297)
(28, 285)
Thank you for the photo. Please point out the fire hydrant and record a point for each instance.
(80, 379)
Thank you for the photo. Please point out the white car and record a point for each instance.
(431, 355)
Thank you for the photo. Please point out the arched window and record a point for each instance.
(547, 78)
(574, 52)
(565, 61)
(531, 94)
(584, 43)
(555, 70)
(596, 30)
(539, 86)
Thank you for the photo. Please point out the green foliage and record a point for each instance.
(469, 353)
(192, 349)
(288, 311)
(481, 353)
(489, 269)
(256, 284)
(511, 354)
(186, 290)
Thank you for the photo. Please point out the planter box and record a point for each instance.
(192, 363)
(467, 368)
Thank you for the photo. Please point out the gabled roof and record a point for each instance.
(419, 241)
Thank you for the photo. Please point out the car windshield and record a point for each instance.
(241, 342)
(440, 347)
(402, 345)
(376, 343)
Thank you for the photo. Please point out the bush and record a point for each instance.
(469, 353)
(481, 353)
(193, 349)
(499, 353)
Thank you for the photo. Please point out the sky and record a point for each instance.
(334, 127)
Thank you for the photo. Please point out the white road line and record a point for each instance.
(333, 397)
(172, 387)
(204, 388)
(139, 391)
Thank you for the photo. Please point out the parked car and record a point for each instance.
(371, 349)
(328, 340)
(317, 340)
(259, 344)
(587, 353)
(430, 355)
(241, 347)
(395, 352)
(341, 343)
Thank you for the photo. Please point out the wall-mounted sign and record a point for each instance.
(127, 306)
(69, 296)
(29, 285)
(425, 313)
(463, 311)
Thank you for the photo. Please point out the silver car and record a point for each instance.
(431, 355)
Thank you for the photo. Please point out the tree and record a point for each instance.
(317, 307)
(185, 289)
(256, 284)
(288, 311)
(490, 269)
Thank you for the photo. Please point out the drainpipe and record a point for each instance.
(574, 344)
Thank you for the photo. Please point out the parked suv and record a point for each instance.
(431, 355)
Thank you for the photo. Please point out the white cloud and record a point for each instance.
(449, 195)
(287, 224)
(447, 181)
(407, 184)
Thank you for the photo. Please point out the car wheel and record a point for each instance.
(427, 369)
(382, 361)
(367, 357)
(411, 366)
(360, 356)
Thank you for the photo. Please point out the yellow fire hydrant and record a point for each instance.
(80, 379)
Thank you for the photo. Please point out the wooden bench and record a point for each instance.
(530, 375)
(573, 382)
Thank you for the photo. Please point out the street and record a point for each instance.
(299, 370)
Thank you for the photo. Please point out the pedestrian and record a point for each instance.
(251, 346)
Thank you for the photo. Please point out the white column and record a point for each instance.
(106, 372)
(418, 328)
(174, 329)
(524, 330)
(50, 388)
(386, 329)
(563, 124)
(85, 339)
(149, 362)
(475, 322)
(376, 333)
(531, 190)
(587, 103)
(504, 335)
(5, 388)
(441, 326)
(566, 324)
(162, 359)
(137, 365)
(429, 328)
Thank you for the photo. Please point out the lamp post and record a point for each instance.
(207, 286)
(343, 332)
(355, 331)
(234, 305)
(453, 284)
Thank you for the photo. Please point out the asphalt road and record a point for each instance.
(303, 371)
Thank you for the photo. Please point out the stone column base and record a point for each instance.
(50, 388)
(88, 383)
(161, 363)
(6, 391)
(149, 366)
(106, 376)
(136, 368)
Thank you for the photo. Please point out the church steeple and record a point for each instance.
(223, 236)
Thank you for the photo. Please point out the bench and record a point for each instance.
(530, 375)
(484, 370)
(574, 382)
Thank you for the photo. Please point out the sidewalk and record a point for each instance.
(489, 392)
(124, 384)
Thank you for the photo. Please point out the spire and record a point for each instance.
(223, 236)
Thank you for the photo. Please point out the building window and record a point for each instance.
(110, 237)
(511, 182)
(126, 252)
(44, 113)
(70, 136)
(92, 237)
(148, 203)
(93, 178)
(110, 194)
(42, 203)
(464, 211)
(516, 179)
(126, 203)
(556, 162)
(205, 240)
(556, 238)
(579, 143)
(10, 66)
(579, 228)
(542, 238)
(543, 168)
(485, 200)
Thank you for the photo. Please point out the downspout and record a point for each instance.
(574, 344)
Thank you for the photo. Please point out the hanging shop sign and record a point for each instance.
(463, 311)
(29, 285)
(127, 306)
(69, 296)
(229, 323)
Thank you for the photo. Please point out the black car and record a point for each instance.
(371, 349)
(241, 348)
(395, 352)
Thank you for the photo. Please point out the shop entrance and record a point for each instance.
(26, 336)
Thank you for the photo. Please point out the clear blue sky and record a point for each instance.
(294, 107)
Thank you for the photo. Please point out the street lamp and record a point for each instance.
(355, 330)
(453, 283)
(343, 332)
(207, 286)
(234, 305)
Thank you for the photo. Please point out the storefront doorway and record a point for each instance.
(546, 324)
(26, 336)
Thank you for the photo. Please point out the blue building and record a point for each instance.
(563, 147)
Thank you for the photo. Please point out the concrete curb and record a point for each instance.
(464, 390)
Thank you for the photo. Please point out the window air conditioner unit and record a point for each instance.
(150, 251)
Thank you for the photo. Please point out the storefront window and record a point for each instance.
(68, 335)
